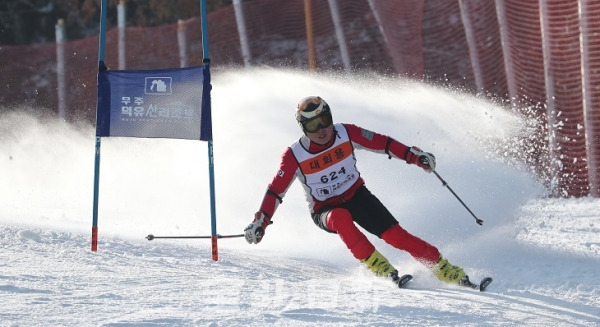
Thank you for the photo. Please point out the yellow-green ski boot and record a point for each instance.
(378, 264)
(448, 273)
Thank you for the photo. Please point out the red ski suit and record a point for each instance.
(336, 217)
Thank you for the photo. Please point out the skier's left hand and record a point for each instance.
(422, 159)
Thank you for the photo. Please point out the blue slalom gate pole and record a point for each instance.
(101, 66)
(211, 165)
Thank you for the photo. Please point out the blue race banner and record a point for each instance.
(159, 103)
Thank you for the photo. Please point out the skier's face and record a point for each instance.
(322, 136)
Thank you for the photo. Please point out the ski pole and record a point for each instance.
(477, 220)
(150, 237)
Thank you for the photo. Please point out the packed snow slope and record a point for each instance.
(544, 254)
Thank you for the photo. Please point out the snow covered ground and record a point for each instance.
(544, 254)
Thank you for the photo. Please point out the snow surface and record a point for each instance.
(544, 254)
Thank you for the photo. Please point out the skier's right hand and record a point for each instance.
(256, 230)
(425, 160)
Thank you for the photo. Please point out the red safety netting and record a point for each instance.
(399, 23)
(445, 48)
(562, 53)
(521, 38)
(590, 28)
(485, 47)
(543, 58)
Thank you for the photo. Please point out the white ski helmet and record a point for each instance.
(313, 113)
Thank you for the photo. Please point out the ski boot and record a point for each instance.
(379, 265)
(448, 273)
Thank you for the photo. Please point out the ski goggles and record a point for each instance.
(313, 125)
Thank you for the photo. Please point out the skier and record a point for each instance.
(323, 160)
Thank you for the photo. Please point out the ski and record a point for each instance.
(401, 281)
(404, 279)
(481, 286)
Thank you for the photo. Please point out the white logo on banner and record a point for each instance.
(158, 85)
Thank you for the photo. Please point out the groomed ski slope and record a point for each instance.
(543, 253)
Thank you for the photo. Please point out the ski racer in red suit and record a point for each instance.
(324, 162)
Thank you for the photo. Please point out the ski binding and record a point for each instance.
(402, 280)
(481, 286)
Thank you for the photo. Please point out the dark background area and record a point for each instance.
(33, 21)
